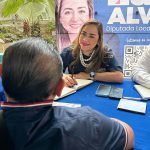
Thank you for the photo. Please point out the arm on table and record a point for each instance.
(115, 76)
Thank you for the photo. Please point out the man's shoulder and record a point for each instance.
(77, 121)
(84, 114)
(71, 112)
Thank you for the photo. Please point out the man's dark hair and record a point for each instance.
(31, 70)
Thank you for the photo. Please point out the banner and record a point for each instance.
(126, 28)
(126, 25)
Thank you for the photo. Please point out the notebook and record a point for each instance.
(132, 105)
(143, 91)
(82, 83)
(67, 90)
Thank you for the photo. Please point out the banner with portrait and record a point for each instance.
(70, 16)
(126, 27)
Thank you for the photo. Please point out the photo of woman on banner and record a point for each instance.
(70, 16)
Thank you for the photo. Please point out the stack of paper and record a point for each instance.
(143, 91)
(132, 105)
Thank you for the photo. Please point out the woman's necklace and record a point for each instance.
(83, 60)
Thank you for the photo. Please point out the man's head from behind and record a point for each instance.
(31, 70)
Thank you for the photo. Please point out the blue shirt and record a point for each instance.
(110, 65)
(43, 127)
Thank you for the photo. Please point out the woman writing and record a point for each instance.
(88, 58)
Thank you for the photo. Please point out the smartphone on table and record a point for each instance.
(116, 92)
(103, 90)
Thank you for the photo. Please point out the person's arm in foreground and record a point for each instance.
(112, 133)
(130, 134)
(141, 71)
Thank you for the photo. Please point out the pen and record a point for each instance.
(75, 82)
(72, 76)
(135, 98)
(74, 79)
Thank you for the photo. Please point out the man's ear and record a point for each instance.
(59, 87)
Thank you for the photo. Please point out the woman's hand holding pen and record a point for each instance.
(70, 80)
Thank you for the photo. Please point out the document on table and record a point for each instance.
(132, 105)
(67, 90)
(143, 91)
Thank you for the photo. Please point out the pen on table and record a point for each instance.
(135, 98)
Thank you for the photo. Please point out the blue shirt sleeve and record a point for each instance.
(114, 66)
(110, 61)
(108, 134)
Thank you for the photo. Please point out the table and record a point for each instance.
(140, 123)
